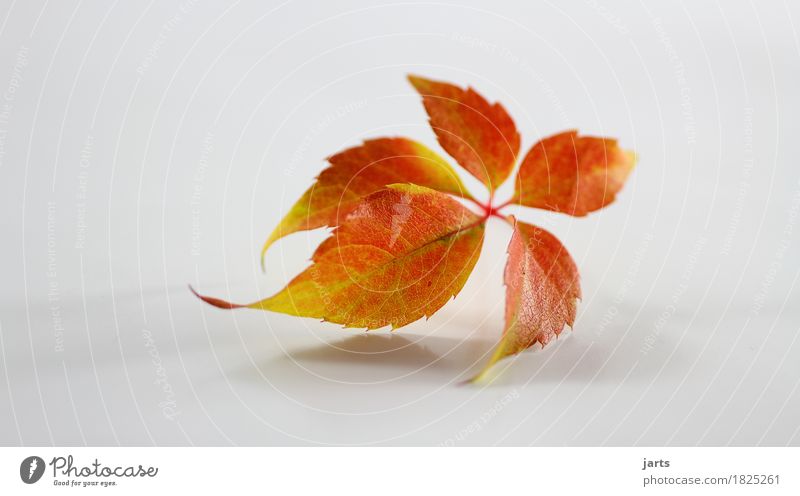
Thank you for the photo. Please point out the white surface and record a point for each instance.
(146, 147)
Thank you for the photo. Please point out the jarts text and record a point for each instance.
(654, 463)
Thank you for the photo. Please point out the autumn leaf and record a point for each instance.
(403, 245)
(400, 255)
(360, 171)
(481, 136)
(572, 174)
(542, 287)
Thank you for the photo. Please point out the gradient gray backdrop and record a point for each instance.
(147, 145)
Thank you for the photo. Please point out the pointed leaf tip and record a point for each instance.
(216, 302)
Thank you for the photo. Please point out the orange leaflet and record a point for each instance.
(481, 136)
(542, 288)
(401, 251)
(572, 174)
(400, 255)
(360, 171)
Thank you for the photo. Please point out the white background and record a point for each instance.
(144, 146)
(286, 470)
